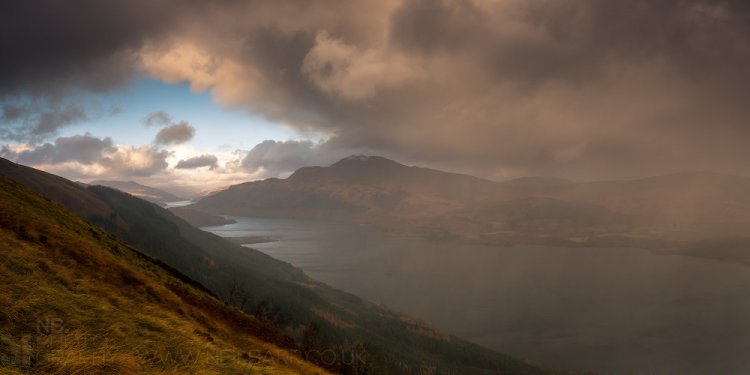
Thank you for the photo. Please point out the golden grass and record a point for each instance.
(74, 300)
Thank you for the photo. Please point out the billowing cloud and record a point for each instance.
(82, 156)
(205, 160)
(578, 88)
(274, 158)
(344, 70)
(175, 134)
(84, 149)
(182, 61)
(135, 161)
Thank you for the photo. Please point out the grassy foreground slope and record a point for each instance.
(74, 300)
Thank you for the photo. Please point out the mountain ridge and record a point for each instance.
(394, 196)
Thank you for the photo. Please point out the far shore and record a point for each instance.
(249, 240)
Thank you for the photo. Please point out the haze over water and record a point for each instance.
(614, 311)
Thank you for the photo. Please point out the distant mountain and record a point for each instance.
(379, 191)
(148, 193)
(318, 318)
(77, 300)
(354, 188)
(386, 174)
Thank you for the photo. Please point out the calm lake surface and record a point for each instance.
(614, 311)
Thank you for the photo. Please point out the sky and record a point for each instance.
(201, 94)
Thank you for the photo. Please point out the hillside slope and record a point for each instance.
(76, 300)
(73, 196)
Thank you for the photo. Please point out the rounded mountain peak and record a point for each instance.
(366, 160)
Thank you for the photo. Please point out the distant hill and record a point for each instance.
(317, 318)
(77, 300)
(353, 188)
(393, 196)
(376, 171)
(148, 193)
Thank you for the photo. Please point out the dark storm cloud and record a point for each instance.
(204, 160)
(175, 134)
(581, 35)
(49, 46)
(54, 50)
(585, 88)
